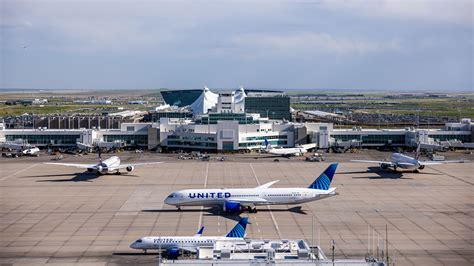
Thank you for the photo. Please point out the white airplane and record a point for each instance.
(173, 244)
(398, 160)
(286, 152)
(31, 151)
(111, 164)
(236, 199)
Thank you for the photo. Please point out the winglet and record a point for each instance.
(199, 233)
(324, 180)
(239, 229)
(267, 185)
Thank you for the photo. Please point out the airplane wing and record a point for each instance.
(406, 164)
(125, 165)
(308, 146)
(249, 202)
(78, 165)
(189, 249)
(440, 162)
(378, 162)
(267, 185)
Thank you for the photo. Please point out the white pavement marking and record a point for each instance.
(20, 171)
(205, 186)
(268, 207)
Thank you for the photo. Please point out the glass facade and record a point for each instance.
(46, 139)
(180, 98)
(275, 107)
(373, 139)
(242, 118)
(260, 143)
(227, 145)
(192, 144)
(194, 141)
(129, 139)
(262, 138)
(154, 117)
(463, 138)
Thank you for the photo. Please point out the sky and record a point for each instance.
(401, 45)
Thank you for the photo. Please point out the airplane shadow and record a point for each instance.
(78, 177)
(232, 216)
(381, 174)
(271, 157)
(135, 253)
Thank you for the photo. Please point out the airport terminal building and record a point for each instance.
(235, 121)
(227, 135)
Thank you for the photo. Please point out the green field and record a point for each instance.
(456, 106)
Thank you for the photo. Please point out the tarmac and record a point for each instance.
(55, 214)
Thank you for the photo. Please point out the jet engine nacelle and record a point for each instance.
(384, 165)
(421, 167)
(130, 168)
(172, 253)
(230, 206)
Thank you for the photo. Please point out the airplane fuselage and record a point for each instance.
(248, 196)
(108, 165)
(177, 242)
(404, 161)
(287, 151)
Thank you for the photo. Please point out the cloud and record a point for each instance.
(312, 43)
(432, 11)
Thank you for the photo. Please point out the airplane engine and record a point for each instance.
(130, 168)
(384, 166)
(421, 167)
(100, 168)
(172, 253)
(230, 206)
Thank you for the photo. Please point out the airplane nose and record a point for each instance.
(133, 245)
(167, 201)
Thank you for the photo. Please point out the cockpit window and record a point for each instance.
(139, 241)
(172, 195)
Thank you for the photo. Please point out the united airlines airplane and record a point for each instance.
(286, 152)
(173, 244)
(111, 164)
(398, 160)
(236, 199)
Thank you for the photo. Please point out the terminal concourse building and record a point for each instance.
(237, 120)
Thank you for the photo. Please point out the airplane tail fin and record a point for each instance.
(239, 229)
(199, 233)
(323, 182)
(268, 146)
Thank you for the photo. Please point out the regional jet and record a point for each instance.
(174, 244)
(237, 199)
(109, 165)
(398, 160)
(287, 152)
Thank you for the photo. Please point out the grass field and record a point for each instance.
(457, 106)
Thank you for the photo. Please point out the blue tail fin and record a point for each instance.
(324, 180)
(199, 233)
(266, 142)
(239, 229)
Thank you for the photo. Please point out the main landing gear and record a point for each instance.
(252, 210)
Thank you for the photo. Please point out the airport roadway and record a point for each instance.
(60, 215)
